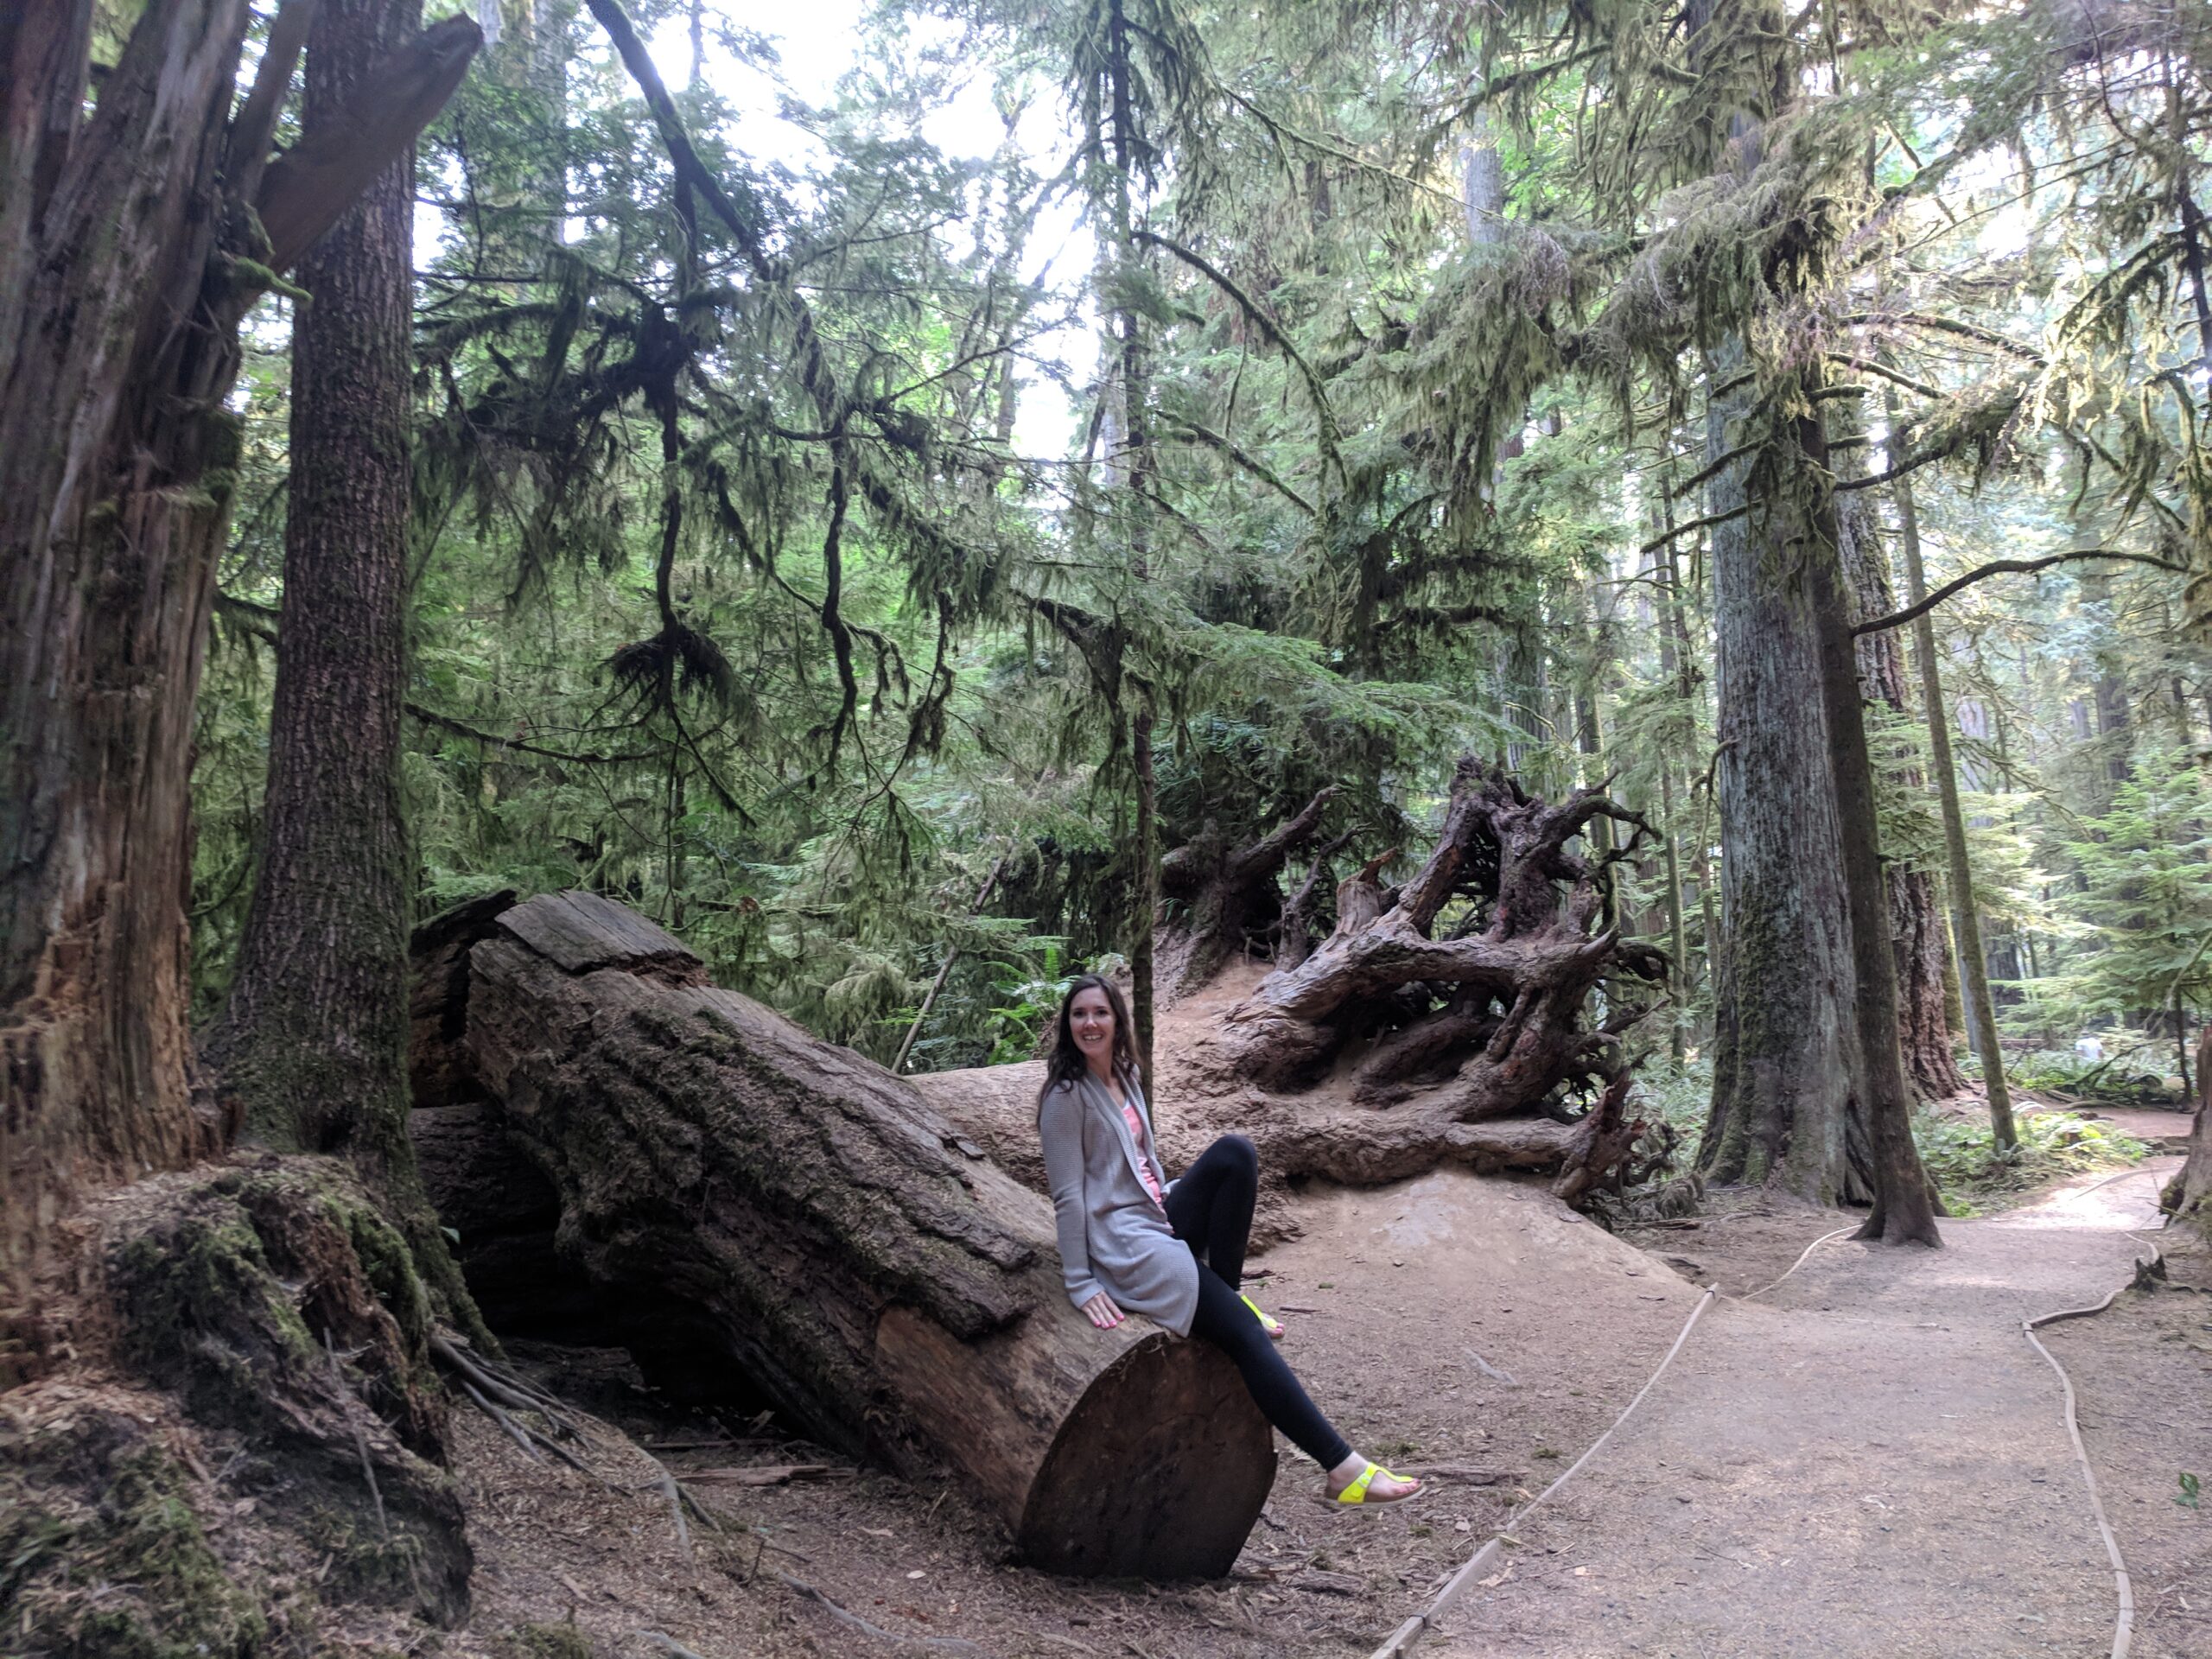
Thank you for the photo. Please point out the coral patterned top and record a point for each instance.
(1144, 1155)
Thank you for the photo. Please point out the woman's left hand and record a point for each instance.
(1102, 1311)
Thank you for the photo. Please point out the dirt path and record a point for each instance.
(1867, 1461)
(1477, 1323)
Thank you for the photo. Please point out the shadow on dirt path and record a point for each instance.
(1868, 1461)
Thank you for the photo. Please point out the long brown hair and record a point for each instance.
(1066, 1063)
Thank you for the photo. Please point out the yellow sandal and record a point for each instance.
(1356, 1493)
(1272, 1326)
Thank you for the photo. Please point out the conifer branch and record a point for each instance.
(1948, 325)
(1250, 463)
(2009, 567)
(1326, 437)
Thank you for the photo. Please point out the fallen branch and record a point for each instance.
(526, 1437)
(846, 1616)
(361, 1436)
(707, 1446)
(502, 1385)
(504, 1420)
(774, 1474)
(1329, 1584)
(675, 1496)
(1467, 1473)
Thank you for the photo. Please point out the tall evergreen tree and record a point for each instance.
(312, 1039)
(139, 221)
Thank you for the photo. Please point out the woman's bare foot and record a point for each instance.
(1384, 1487)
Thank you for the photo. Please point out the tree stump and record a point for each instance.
(835, 1237)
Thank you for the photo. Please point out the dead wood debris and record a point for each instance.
(771, 1474)
(846, 1616)
(360, 1435)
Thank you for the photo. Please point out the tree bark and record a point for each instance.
(1231, 894)
(1916, 916)
(829, 1232)
(132, 240)
(1904, 1201)
(312, 1039)
(1787, 1075)
(1395, 1046)
(1144, 885)
(1675, 666)
(1972, 965)
(2187, 1196)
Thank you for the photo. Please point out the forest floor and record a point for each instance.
(1869, 1460)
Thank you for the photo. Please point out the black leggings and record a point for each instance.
(1211, 1210)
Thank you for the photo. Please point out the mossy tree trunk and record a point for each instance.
(311, 1042)
(1973, 967)
(1786, 1067)
(1916, 932)
(1904, 1201)
(2189, 1195)
(1134, 469)
(133, 237)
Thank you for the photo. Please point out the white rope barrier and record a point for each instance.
(1402, 1639)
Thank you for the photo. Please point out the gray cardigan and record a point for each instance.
(1113, 1237)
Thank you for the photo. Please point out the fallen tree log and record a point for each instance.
(811, 1216)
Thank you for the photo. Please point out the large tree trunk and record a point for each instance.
(1786, 1068)
(312, 1040)
(2187, 1196)
(129, 243)
(810, 1215)
(1779, 565)
(107, 542)
(1904, 1201)
(1916, 932)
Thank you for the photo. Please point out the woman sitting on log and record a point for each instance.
(1131, 1241)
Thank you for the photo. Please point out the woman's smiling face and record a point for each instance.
(1091, 1018)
